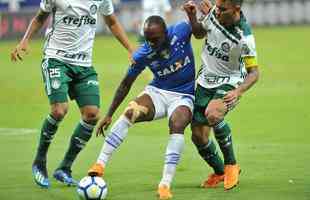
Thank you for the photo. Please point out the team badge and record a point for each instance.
(93, 9)
(225, 47)
(245, 49)
(56, 84)
(165, 53)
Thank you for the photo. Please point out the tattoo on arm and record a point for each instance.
(250, 80)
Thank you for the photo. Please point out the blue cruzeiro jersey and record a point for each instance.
(173, 69)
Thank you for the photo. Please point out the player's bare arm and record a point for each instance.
(191, 10)
(35, 25)
(119, 96)
(250, 80)
(118, 31)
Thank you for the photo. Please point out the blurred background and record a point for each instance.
(16, 14)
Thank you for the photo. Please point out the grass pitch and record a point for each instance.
(270, 129)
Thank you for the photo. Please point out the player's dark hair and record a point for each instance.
(155, 19)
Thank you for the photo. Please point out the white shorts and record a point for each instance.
(165, 102)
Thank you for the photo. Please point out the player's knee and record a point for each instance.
(129, 113)
(134, 110)
(214, 117)
(91, 115)
(215, 112)
(59, 112)
(177, 126)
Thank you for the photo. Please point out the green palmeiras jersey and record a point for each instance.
(226, 52)
(71, 34)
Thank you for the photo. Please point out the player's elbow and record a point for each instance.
(110, 21)
(254, 73)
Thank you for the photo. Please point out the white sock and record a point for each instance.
(173, 153)
(117, 135)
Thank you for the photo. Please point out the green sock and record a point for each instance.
(48, 130)
(209, 153)
(80, 137)
(223, 136)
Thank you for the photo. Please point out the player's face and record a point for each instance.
(226, 12)
(155, 36)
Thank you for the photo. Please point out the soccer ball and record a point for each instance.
(92, 188)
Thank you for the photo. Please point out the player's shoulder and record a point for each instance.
(244, 26)
(104, 1)
(142, 53)
(181, 29)
(180, 26)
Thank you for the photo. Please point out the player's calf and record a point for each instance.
(90, 114)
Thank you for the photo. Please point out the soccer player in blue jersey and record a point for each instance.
(168, 54)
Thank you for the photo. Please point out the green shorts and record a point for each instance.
(62, 80)
(203, 96)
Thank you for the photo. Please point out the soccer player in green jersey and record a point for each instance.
(67, 71)
(229, 69)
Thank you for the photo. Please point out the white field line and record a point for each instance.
(17, 131)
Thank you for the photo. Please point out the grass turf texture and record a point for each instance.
(270, 129)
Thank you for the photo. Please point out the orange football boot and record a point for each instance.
(96, 170)
(164, 192)
(231, 178)
(212, 181)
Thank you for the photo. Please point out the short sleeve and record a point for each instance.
(248, 52)
(140, 63)
(248, 48)
(47, 5)
(106, 7)
(185, 29)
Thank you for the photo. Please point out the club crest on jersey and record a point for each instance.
(225, 47)
(55, 84)
(245, 49)
(93, 9)
(165, 53)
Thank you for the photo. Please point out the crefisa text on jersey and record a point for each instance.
(83, 20)
(217, 52)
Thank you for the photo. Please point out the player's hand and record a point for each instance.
(232, 98)
(20, 50)
(205, 7)
(190, 8)
(103, 126)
